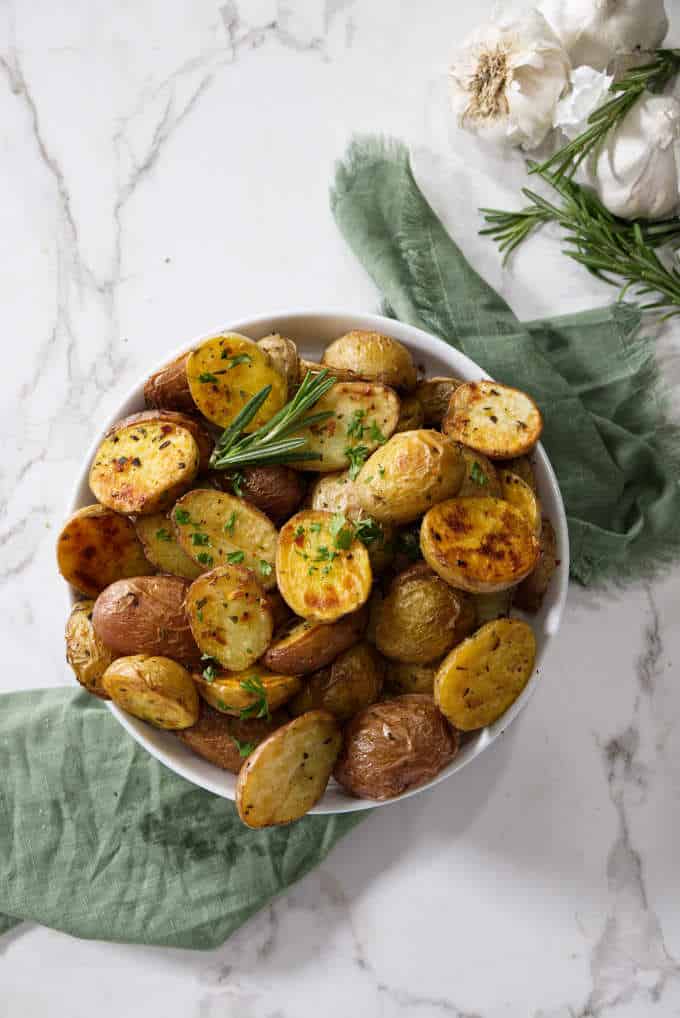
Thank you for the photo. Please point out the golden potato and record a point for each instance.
(402, 677)
(478, 544)
(284, 358)
(188, 421)
(252, 692)
(287, 774)
(305, 647)
(435, 395)
(87, 655)
(408, 474)
(523, 467)
(350, 683)
(161, 548)
(494, 419)
(323, 571)
(484, 675)
(225, 372)
(373, 356)
(336, 493)
(153, 689)
(226, 741)
(275, 490)
(393, 746)
(168, 388)
(416, 621)
(518, 493)
(97, 546)
(411, 414)
(531, 591)
(230, 616)
(480, 476)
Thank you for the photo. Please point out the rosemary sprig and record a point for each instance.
(652, 77)
(272, 443)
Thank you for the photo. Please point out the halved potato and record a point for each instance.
(409, 474)
(416, 621)
(198, 430)
(161, 548)
(322, 571)
(435, 395)
(518, 493)
(87, 655)
(305, 647)
(480, 476)
(411, 414)
(494, 419)
(484, 675)
(287, 774)
(284, 358)
(530, 593)
(365, 414)
(252, 692)
(168, 388)
(374, 356)
(478, 544)
(336, 493)
(403, 677)
(154, 689)
(353, 681)
(226, 741)
(98, 546)
(225, 372)
(230, 617)
(142, 467)
(216, 529)
(275, 489)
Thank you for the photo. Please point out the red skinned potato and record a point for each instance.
(304, 647)
(227, 741)
(168, 388)
(275, 490)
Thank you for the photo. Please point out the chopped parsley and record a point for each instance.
(299, 531)
(260, 706)
(244, 748)
(229, 525)
(240, 358)
(265, 567)
(368, 530)
(207, 376)
(163, 535)
(381, 470)
(375, 434)
(356, 457)
(237, 480)
(355, 428)
(204, 558)
(477, 475)
(315, 527)
(182, 517)
(200, 540)
(234, 557)
(209, 672)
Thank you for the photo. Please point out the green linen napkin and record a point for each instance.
(594, 377)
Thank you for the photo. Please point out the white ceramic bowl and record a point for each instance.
(312, 331)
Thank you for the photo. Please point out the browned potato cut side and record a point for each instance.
(336, 493)
(480, 477)
(484, 675)
(374, 356)
(168, 388)
(416, 621)
(226, 741)
(305, 647)
(411, 414)
(275, 490)
(323, 573)
(393, 746)
(287, 774)
(225, 372)
(478, 544)
(230, 617)
(515, 491)
(494, 419)
(530, 593)
(85, 652)
(435, 395)
(353, 681)
(98, 546)
(253, 692)
(144, 467)
(153, 689)
(159, 541)
(284, 358)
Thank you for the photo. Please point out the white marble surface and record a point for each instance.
(164, 167)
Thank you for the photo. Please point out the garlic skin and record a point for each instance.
(507, 77)
(589, 89)
(637, 173)
(595, 32)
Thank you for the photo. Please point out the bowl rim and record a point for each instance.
(430, 345)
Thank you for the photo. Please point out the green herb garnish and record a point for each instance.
(315, 528)
(207, 376)
(199, 540)
(299, 531)
(260, 707)
(368, 530)
(375, 434)
(240, 358)
(234, 557)
(209, 673)
(237, 481)
(181, 516)
(265, 567)
(356, 457)
(205, 558)
(163, 535)
(244, 748)
(355, 428)
(477, 475)
(229, 525)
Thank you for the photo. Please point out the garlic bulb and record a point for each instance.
(507, 78)
(594, 32)
(589, 89)
(636, 174)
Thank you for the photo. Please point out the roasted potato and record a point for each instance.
(373, 356)
(343, 688)
(161, 548)
(87, 655)
(364, 415)
(411, 415)
(226, 741)
(478, 544)
(225, 372)
(199, 431)
(314, 368)
(287, 774)
(216, 529)
(144, 466)
(230, 617)
(322, 572)
(252, 692)
(493, 606)
(393, 746)
(518, 493)
(275, 490)
(284, 358)
(435, 395)
(531, 591)
(493, 419)
(402, 677)
(168, 389)
(97, 546)
(282, 616)
(154, 689)
(416, 621)
(146, 615)
(409, 474)
(336, 493)
(484, 675)
(523, 467)
(304, 647)
(480, 476)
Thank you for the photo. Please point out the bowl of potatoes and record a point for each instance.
(315, 562)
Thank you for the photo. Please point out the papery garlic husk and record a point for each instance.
(506, 79)
(636, 172)
(588, 90)
(596, 32)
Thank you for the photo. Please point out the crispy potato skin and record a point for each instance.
(435, 395)
(284, 358)
(85, 652)
(192, 424)
(216, 736)
(407, 475)
(403, 678)
(159, 541)
(416, 622)
(531, 591)
(373, 356)
(411, 414)
(221, 386)
(353, 681)
(314, 368)
(168, 388)
(478, 544)
(228, 691)
(230, 617)
(518, 493)
(153, 689)
(275, 490)
(305, 647)
(146, 615)
(494, 419)
(393, 746)
(98, 546)
(481, 478)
